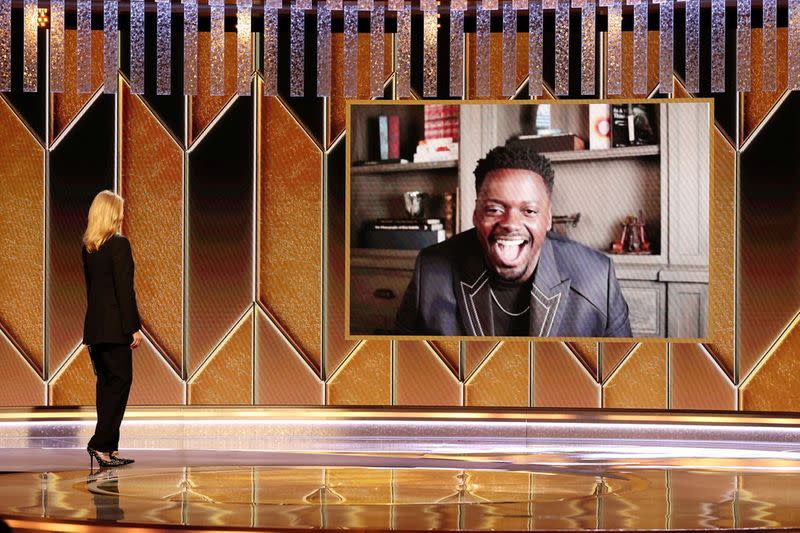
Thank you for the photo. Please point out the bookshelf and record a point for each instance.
(402, 167)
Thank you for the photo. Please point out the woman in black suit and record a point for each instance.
(111, 327)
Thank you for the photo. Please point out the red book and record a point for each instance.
(394, 137)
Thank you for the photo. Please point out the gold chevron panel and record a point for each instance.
(365, 378)
(560, 379)
(774, 384)
(613, 354)
(22, 236)
(204, 107)
(227, 377)
(28, 388)
(474, 352)
(758, 103)
(697, 381)
(337, 104)
(503, 379)
(65, 106)
(154, 380)
(589, 353)
(450, 351)
(290, 228)
(640, 381)
(495, 64)
(283, 377)
(75, 384)
(421, 377)
(154, 221)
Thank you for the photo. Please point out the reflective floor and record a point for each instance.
(636, 487)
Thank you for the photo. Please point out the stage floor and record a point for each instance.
(404, 469)
(631, 489)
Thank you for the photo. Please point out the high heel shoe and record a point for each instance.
(103, 463)
(122, 460)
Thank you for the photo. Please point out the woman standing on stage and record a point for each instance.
(111, 327)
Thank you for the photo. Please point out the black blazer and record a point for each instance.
(111, 312)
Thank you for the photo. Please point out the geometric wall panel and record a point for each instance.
(589, 354)
(205, 107)
(28, 388)
(723, 219)
(283, 377)
(626, 64)
(22, 236)
(697, 381)
(613, 353)
(336, 346)
(154, 221)
(336, 106)
(226, 378)
(757, 104)
(154, 380)
(560, 379)
(774, 384)
(769, 277)
(81, 165)
(474, 352)
(66, 105)
(496, 65)
(502, 379)
(640, 380)
(220, 230)
(290, 228)
(75, 382)
(450, 351)
(365, 377)
(422, 378)
(31, 106)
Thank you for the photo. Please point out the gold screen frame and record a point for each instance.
(722, 235)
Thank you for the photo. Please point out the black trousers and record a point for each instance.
(114, 369)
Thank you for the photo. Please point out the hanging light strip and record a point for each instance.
(110, 45)
(5, 45)
(666, 13)
(297, 52)
(376, 35)
(430, 32)
(692, 46)
(56, 46)
(588, 46)
(640, 8)
(562, 47)
(270, 67)
(217, 47)
(30, 46)
(482, 50)
(793, 56)
(534, 47)
(743, 29)
(717, 46)
(350, 79)
(509, 49)
(190, 47)
(163, 47)
(83, 72)
(769, 10)
(323, 49)
(244, 46)
(614, 54)
(403, 72)
(137, 47)
(456, 50)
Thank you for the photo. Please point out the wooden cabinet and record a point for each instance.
(646, 307)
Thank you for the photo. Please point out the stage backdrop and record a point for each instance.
(235, 210)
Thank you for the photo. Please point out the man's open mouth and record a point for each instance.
(508, 249)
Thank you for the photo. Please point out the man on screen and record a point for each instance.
(509, 275)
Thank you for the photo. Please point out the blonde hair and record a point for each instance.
(105, 219)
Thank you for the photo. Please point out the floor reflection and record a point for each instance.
(421, 493)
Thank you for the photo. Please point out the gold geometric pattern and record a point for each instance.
(289, 348)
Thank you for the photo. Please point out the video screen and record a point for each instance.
(529, 219)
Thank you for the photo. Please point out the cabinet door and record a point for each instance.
(375, 296)
(688, 310)
(646, 307)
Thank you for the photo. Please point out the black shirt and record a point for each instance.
(511, 306)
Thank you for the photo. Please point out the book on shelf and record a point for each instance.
(406, 224)
(383, 136)
(401, 239)
(548, 143)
